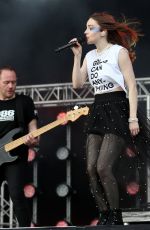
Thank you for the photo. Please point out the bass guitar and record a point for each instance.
(7, 143)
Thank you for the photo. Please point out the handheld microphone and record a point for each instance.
(81, 40)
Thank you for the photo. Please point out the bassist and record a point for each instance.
(16, 111)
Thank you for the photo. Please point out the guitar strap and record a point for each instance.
(19, 111)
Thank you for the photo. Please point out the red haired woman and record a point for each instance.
(113, 122)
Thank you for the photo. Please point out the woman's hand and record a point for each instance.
(134, 128)
(77, 49)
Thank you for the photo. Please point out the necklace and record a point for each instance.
(103, 50)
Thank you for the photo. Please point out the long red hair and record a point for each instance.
(125, 33)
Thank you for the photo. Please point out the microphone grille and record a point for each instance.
(81, 40)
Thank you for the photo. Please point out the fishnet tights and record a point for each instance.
(102, 154)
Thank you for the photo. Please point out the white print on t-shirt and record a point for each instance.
(7, 115)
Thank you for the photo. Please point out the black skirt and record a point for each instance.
(110, 113)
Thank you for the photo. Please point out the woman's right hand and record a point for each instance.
(77, 49)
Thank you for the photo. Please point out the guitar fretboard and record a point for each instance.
(71, 115)
(12, 145)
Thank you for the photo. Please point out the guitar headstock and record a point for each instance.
(76, 113)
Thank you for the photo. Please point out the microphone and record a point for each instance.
(81, 40)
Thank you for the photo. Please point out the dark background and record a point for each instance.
(30, 31)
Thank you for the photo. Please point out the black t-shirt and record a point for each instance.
(9, 115)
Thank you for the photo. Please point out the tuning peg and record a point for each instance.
(76, 107)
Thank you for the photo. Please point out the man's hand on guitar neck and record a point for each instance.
(30, 140)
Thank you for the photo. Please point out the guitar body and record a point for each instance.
(6, 156)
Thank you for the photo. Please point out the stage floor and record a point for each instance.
(105, 227)
(133, 220)
(136, 216)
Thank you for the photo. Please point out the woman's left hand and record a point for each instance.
(134, 128)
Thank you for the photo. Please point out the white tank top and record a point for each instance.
(103, 70)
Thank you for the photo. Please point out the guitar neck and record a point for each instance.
(12, 145)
